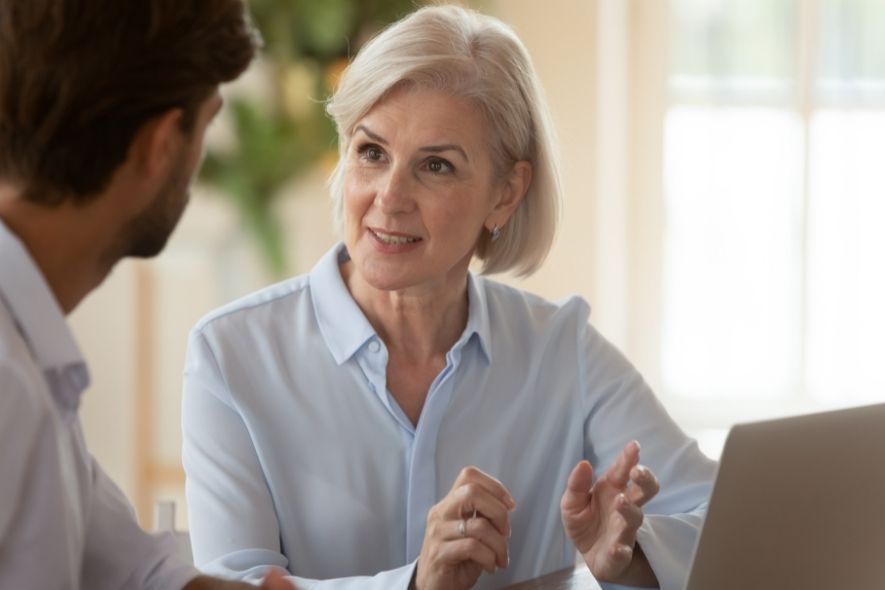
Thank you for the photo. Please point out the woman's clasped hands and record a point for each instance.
(467, 533)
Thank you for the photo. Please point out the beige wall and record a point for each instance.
(567, 69)
(603, 64)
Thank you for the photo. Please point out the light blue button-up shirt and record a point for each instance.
(64, 525)
(298, 456)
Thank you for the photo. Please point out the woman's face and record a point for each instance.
(419, 186)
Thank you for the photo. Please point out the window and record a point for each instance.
(774, 198)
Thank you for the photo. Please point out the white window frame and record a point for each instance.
(648, 41)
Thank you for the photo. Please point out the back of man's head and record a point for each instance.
(78, 78)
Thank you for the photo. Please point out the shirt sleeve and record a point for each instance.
(19, 426)
(39, 548)
(234, 528)
(119, 554)
(621, 407)
(28, 490)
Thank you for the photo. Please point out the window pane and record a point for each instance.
(852, 51)
(846, 257)
(733, 49)
(732, 252)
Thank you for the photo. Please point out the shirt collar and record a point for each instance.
(478, 315)
(33, 306)
(344, 326)
(342, 323)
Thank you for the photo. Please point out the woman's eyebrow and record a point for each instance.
(371, 134)
(435, 149)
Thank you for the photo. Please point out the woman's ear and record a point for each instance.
(512, 190)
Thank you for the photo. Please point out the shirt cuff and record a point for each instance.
(395, 579)
(668, 543)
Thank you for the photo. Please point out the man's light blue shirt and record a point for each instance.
(64, 525)
(298, 456)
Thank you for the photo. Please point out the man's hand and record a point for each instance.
(273, 581)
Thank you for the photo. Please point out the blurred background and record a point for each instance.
(724, 176)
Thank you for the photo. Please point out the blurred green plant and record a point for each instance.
(306, 46)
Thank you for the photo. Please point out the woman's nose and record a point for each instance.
(393, 194)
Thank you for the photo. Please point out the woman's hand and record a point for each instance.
(602, 521)
(467, 532)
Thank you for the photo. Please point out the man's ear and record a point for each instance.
(513, 188)
(155, 146)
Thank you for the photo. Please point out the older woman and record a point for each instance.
(391, 420)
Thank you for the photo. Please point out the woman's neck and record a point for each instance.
(419, 323)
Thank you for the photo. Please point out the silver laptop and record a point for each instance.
(799, 503)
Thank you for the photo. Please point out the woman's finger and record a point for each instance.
(469, 498)
(468, 549)
(577, 491)
(473, 475)
(628, 519)
(645, 485)
(619, 473)
(483, 531)
(620, 556)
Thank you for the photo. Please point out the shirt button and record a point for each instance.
(374, 346)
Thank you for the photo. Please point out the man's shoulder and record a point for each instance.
(24, 403)
(18, 368)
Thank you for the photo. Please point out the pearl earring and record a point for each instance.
(496, 233)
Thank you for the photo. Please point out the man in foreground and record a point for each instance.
(103, 109)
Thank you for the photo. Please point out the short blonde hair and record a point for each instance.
(477, 58)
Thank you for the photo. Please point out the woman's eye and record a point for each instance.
(370, 152)
(439, 166)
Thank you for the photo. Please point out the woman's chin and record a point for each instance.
(387, 281)
(386, 273)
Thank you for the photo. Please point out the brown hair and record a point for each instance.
(78, 78)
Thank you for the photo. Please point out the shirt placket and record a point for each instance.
(422, 491)
(420, 442)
